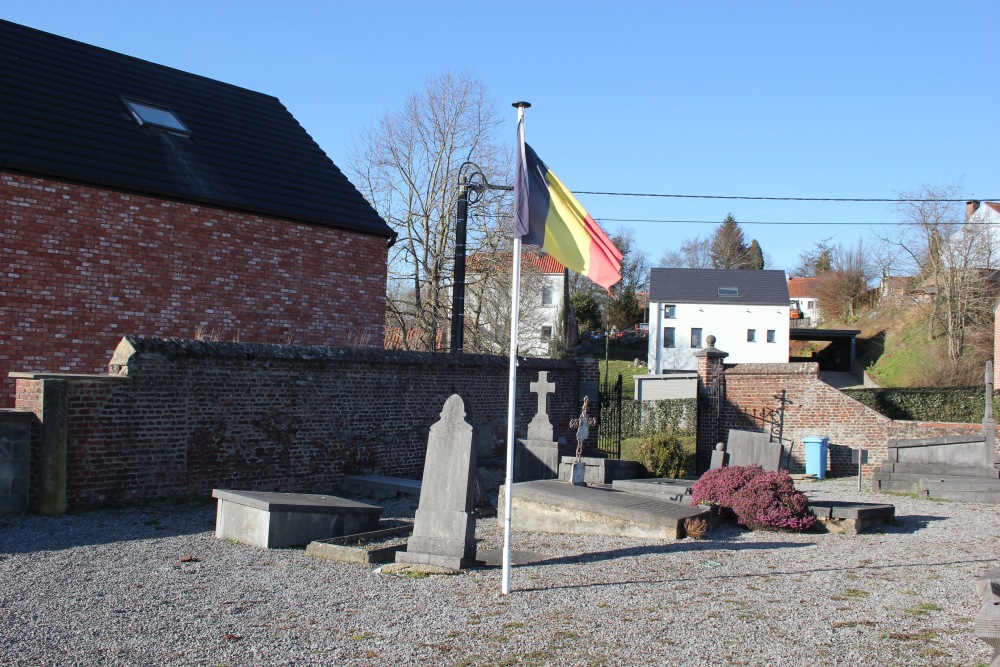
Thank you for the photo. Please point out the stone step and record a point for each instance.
(895, 486)
(907, 477)
(381, 485)
(557, 507)
(984, 486)
(937, 470)
(965, 496)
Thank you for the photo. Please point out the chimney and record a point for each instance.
(970, 208)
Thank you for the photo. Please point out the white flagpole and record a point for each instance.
(515, 291)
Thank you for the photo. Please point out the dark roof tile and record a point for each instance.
(757, 288)
(61, 116)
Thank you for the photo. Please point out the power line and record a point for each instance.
(750, 222)
(758, 198)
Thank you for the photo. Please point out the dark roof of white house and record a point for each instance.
(752, 287)
(64, 114)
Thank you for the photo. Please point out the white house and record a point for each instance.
(802, 293)
(541, 299)
(746, 311)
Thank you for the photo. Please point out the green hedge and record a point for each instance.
(641, 418)
(940, 404)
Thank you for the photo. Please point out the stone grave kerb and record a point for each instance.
(444, 527)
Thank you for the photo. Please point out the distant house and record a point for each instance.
(541, 298)
(804, 300)
(139, 199)
(746, 310)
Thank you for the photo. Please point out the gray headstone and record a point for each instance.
(540, 427)
(444, 529)
(749, 448)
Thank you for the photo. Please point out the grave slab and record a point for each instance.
(276, 520)
(662, 487)
(377, 546)
(850, 518)
(556, 507)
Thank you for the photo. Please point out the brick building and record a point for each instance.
(137, 199)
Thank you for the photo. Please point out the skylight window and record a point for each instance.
(158, 117)
(729, 291)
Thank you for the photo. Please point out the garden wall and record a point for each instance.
(184, 417)
(813, 408)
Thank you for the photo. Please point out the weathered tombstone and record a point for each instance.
(749, 448)
(537, 456)
(444, 529)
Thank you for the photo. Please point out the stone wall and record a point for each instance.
(183, 417)
(813, 408)
(82, 266)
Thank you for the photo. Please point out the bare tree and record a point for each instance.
(844, 284)
(953, 259)
(406, 164)
(694, 253)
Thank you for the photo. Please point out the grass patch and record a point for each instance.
(923, 609)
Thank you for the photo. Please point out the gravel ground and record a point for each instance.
(109, 588)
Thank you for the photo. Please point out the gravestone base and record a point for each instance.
(537, 459)
(599, 471)
(276, 520)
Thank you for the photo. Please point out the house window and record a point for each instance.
(159, 117)
(810, 305)
(668, 337)
(729, 291)
(546, 333)
(751, 335)
(695, 339)
(670, 312)
(548, 295)
(770, 335)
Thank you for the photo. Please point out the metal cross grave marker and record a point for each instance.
(582, 425)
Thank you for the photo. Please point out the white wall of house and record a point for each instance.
(729, 324)
(535, 335)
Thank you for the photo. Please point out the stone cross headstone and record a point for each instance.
(540, 427)
(989, 426)
(444, 529)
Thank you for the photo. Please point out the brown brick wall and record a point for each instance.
(82, 266)
(814, 408)
(187, 417)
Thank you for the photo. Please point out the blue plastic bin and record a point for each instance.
(816, 456)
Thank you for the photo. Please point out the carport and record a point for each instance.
(839, 354)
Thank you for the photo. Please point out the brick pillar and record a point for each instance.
(711, 396)
(590, 376)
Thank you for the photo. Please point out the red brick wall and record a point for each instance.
(82, 266)
(815, 408)
(187, 417)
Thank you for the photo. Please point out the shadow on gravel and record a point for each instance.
(29, 533)
(909, 523)
(720, 573)
(687, 546)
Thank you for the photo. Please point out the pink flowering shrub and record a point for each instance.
(756, 498)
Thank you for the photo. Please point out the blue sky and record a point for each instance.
(797, 99)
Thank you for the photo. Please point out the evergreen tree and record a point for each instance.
(755, 256)
(588, 311)
(625, 310)
(729, 247)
